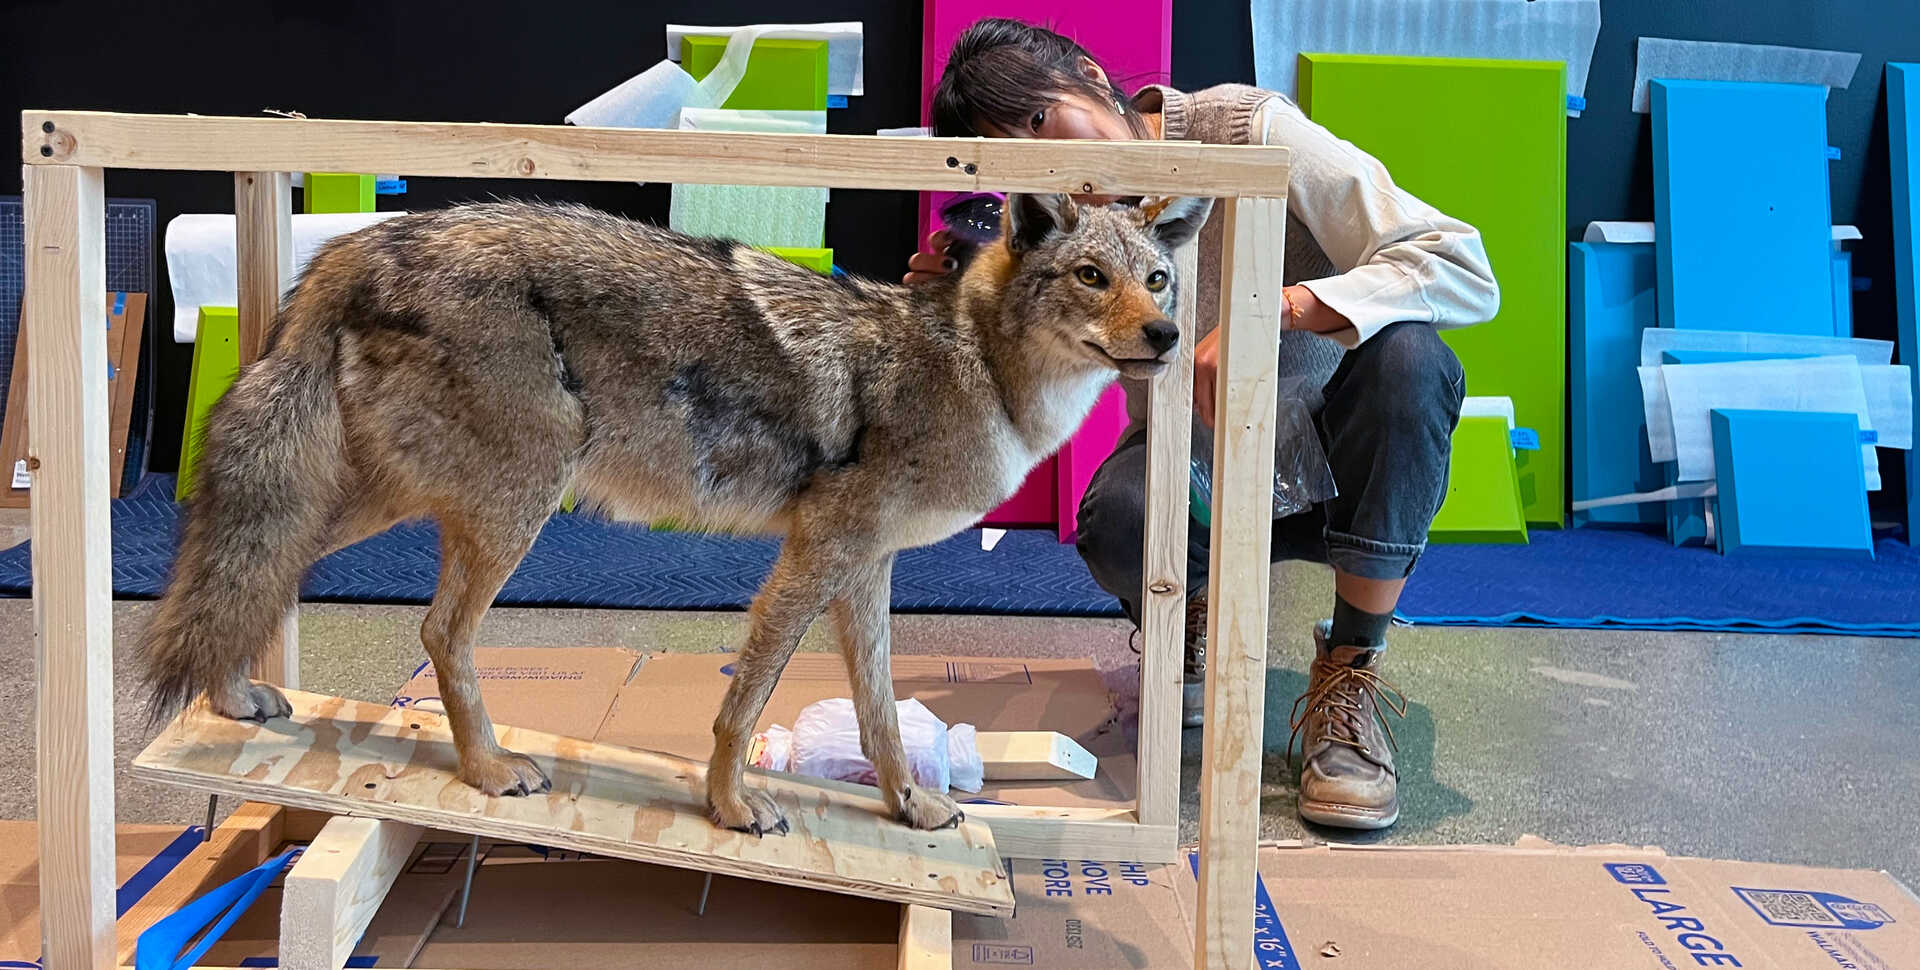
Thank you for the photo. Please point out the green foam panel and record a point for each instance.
(216, 362)
(782, 75)
(1483, 489)
(338, 192)
(1484, 141)
(818, 260)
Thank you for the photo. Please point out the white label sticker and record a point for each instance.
(20, 477)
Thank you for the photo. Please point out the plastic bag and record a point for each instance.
(1301, 476)
(825, 743)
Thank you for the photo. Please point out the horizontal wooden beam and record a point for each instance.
(1108, 835)
(335, 889)
(413, 148)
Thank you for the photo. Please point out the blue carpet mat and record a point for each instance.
(1600, 578)
(586, 562)
(1584, 578)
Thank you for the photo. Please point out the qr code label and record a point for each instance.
(1791, 907)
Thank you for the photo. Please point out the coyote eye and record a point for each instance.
(1090, 276)
(1157, 280)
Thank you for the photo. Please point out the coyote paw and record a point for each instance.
(505, 773)
(754, 812)
(922, 809)
(248, 701)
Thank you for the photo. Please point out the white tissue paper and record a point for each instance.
(1528, 30)
(200, 258)
(1704, 60)
(1692, 391)
(1655, 341)
(825, 743)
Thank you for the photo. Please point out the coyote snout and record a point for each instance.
(474, 364)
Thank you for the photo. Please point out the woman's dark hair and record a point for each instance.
(1003, 71)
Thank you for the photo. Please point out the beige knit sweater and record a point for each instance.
(1364, 246)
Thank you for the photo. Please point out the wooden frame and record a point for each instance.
(65, 154)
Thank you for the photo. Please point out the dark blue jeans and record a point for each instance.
(1386, 419)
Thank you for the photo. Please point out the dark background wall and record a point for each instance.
(487, 60)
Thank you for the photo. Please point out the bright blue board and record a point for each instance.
(1790, 483)
(1742, 208)
(1903, 139)
(1842, 293)
(1611, 300)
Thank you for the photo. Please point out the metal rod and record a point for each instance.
(213, 808)
(466, 891)
(705, 888)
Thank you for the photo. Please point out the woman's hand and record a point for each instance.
(1206, 369)
(933, 264)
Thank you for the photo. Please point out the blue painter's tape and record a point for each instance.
(111, 371)
(836, 100)
(1576, 103)
(156, 869)
(1525, 439)
(119, 304)
(1833, 153)
(1869, 437)
(390, 187)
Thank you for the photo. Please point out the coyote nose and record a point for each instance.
(1161, 335)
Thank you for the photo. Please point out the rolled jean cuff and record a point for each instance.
(1370, 558)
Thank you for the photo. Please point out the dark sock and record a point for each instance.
(1355, 627)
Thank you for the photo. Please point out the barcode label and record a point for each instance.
(1791, 907)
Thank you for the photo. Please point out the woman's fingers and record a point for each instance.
(1206, 369)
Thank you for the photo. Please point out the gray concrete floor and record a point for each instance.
(1788, 749)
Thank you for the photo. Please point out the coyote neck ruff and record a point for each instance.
(474, 364)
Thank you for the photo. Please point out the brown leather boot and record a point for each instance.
(1193, 679)
(1349, 779)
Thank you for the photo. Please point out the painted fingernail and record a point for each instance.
(949, 264)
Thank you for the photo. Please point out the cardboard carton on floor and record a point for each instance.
(142, 855)
(1536, 905)
(666, 703)
(580, 912)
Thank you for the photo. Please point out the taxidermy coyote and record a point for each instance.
(473, 364)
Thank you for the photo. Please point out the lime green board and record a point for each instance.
(216, 362)
(1483, 487)
(338, 192)
(818, 260)
(1483, 141)
(782, 75)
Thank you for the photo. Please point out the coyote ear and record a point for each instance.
(1032, 218)
(1176, 220)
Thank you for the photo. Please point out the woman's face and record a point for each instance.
(1072, 116)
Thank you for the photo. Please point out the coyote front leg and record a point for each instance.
(861, 622)
(790, 601)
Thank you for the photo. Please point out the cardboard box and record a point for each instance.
(531, 909)
(667, 702)
(1538, 905)
(142, 855)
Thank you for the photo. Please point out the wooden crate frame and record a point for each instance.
(65, 155)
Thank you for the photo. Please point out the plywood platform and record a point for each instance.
(354, 758)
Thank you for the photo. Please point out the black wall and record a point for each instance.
(487, 60)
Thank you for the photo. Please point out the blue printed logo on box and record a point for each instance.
(1000, 954)
(1635, 874)
(1813, 910)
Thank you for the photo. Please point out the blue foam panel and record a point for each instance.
(1790, 483)
(1686, 518)
(1611, 300)
(1842, 293)
(1903, 138)
(1741, 195)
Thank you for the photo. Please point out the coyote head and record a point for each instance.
(1097, 283)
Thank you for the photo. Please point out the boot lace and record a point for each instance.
(1340, 698)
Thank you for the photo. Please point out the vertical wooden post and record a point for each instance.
(926, 938)
(67, 452)
(263, 235)
(1245, 405)
(1163, 601)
